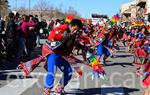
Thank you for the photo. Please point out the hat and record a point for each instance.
(83, 21)
(69, 19)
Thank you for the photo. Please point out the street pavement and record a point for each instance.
(120, 79)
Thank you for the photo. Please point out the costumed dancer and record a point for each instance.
(141, 57)
(102, 43)
(112, 39)
(89, 57)
(56, 52)
(61, 41)
(146, 81)
(132, 39)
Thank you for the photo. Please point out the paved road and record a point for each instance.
(121, 79)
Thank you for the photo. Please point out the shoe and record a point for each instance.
(47, 91)
(59, 89)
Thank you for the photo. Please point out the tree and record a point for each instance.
(4, 7)
(72, 11)
(43, 8)
(22, 10)
(48, 11)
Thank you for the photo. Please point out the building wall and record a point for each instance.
(133, 11)
(125, 7)
(148, 7)
(139, 11)
(128, 11)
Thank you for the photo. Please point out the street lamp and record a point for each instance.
(16, 4)
(29, 6)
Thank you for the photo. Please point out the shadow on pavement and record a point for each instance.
(8, 75)
(107, 91)
(7, 68)
(6, 65)
(121, 64)
(120, 51)
(11, 65)
(122, 47)
(122, 56)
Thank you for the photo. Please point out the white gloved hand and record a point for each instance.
(88, 54)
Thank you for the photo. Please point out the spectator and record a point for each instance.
(44, 26)
(51, 25)
(26, 25)
(37, 30)
(2, 25)
(10, 36)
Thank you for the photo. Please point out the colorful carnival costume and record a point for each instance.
(88, 42)
(102, 43)
(56, 52)
(61, 44)
(142, 59)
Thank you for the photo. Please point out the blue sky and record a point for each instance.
(84, 7)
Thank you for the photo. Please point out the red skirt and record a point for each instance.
(146, 81)
(140, 57)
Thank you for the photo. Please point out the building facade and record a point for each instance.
(148, 7)
(128, 12)
(138, 10)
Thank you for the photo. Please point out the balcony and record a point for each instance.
(141, 3)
